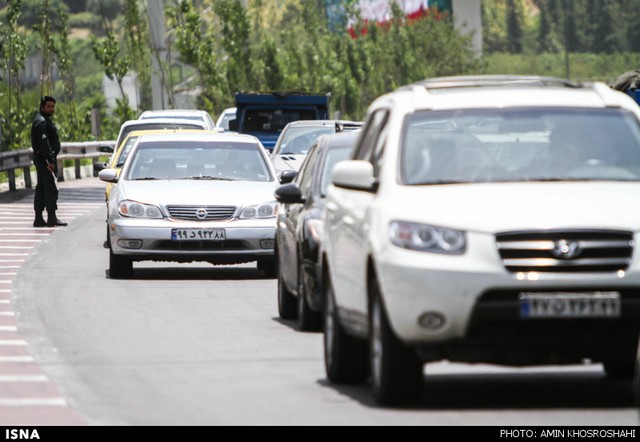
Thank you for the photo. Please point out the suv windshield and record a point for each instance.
(541, 144)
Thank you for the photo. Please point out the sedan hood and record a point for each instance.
(287, 162)
(198, 192)
(501, 207)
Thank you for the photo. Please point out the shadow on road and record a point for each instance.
(212, 273)
(510, 391)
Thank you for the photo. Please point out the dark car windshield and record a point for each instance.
(274, 120)
(540, 144)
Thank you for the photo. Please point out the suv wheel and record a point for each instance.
(345, 357)
(396, 371)
(120, 267)
(308, 319)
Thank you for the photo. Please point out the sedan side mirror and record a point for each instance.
(289, 194)
(108, 175)
(287, 176)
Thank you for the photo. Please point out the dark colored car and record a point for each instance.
(297, 138)
(300, 231)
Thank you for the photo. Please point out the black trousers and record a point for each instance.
(46, 195)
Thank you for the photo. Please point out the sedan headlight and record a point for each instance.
(426, 238)
(134, 209)
(267, 210)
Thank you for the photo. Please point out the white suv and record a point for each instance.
(484, 219)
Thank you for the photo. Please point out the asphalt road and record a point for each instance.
(202, 345)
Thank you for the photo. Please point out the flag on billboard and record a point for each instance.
(378, 11)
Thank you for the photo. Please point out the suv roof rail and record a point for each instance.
(494, 80)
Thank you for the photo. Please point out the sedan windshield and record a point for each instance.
(541, 144)
(166, 160)
(298, 140)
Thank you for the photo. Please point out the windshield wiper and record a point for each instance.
(147, 178)
(208, 177)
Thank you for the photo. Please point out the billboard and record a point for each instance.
(378, 11)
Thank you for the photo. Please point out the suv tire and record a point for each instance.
(396, 371)
(345, 357)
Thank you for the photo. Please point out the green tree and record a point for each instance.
(115, 62)
(13, 50)
(548, 39)
(515, 22)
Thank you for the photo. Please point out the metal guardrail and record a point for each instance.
(23, 159)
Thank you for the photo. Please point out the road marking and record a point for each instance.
(14, 254)
(8, 328)
(4, 301)
(24, 378)
(33, 402)
(16, 359)
(12, 342)
(7, 314)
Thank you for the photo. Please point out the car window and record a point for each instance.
(371, 133)
(171, 160)
(558, 144)
(305, 176)
(297, 140)
(274, 120)
(331, 158)
(124, 151)
(150, 125)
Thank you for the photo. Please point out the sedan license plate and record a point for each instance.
(198, 235)
(569, 305)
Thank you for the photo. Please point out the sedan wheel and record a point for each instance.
(308, 319)
(345, 357)
(287, 304)
(120, 267)
(396, 372)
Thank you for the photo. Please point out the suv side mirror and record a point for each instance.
(355, 175)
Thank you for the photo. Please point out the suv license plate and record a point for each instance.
(569, 305)
(198, 235)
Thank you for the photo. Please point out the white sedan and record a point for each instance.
(192, 197)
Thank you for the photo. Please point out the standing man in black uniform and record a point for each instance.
(46, 147)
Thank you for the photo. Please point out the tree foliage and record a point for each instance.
(287, 46)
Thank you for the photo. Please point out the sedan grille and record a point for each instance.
(201, 213)
(566, 250)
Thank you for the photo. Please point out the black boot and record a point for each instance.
(53, 221)
(39, 221)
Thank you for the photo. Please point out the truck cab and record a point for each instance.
(265, 114)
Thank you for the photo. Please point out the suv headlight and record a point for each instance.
(426, 238)
(134, 209)
(267, 210)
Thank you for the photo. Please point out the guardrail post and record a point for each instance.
(27, 177)
(12, 179)
(60, 171)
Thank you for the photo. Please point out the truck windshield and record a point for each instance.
(274, 120)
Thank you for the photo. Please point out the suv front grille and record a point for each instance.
(566, 250)
(201, 213)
